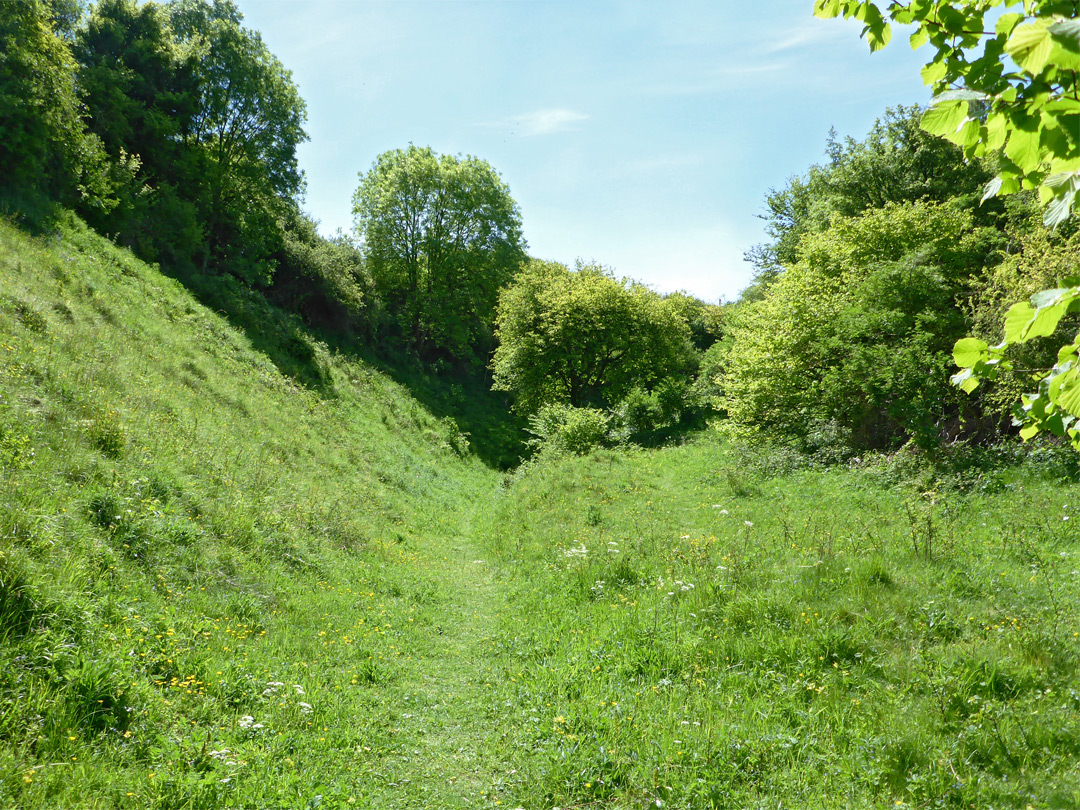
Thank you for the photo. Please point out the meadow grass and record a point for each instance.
(224, 586)
(693, 629)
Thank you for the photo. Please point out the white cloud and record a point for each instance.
(542, 122)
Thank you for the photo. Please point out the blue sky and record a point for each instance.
(642, 135)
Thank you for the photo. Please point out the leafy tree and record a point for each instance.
(854, 337)
(45, 154)
(584, 338)
(441, 235)
(897, 161)
(247, 124)
(140, 97)
(1025, 110)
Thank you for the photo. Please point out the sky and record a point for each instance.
(640, 135)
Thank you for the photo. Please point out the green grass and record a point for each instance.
(224, 586)
(690, 630)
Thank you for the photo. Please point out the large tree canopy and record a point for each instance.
(852, 341)
(202, 123)
(248, 122)
(897, 161)
(584, 338)
(441, 235)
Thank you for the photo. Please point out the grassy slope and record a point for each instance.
(181, 525)
(187, 536)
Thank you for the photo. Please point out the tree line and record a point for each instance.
(170, 127)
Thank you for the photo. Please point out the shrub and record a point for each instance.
(562, 429)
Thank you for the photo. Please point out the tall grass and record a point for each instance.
(181, 527)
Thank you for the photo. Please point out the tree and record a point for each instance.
(140, 96)
(45, 154)
(897, 161)
(441, 236)
(853, 339)
(1026, 112)
(584, 338)
(247, 124)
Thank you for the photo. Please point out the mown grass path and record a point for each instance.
(448, 726)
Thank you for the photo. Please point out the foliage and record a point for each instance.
(323, 279)
(706, 321)
(247, 124)
(1012, 93)
(1037, 259)
(897, 161)
(560, 429)
(201, 123)
(440, 234)
(584, 338)
(857, 333)
(46, 155)
(140, 94)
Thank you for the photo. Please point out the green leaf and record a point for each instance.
(878, 36)
(945, 118)
(1023, 149)
(1065, 391)
(1045, 320)
(996, 130)
(1030, 47)
(918, 39)
(1028, 431)
(826, 9)
(969, 351)
(1006, 23)
(933, 72)
(1067, 34)
(1016, 321)
(965, 380)
(968, 134)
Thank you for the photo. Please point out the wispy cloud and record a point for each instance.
(812, 32)
(546, 121)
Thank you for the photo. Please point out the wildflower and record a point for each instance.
(748, 523)
(305, 708)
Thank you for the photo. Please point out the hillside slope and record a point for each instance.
(182, 527)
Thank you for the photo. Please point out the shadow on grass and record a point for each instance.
(276, 333)
(496, 434)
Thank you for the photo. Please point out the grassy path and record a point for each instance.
(448, 725)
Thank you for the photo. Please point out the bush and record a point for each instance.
(562, 429)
